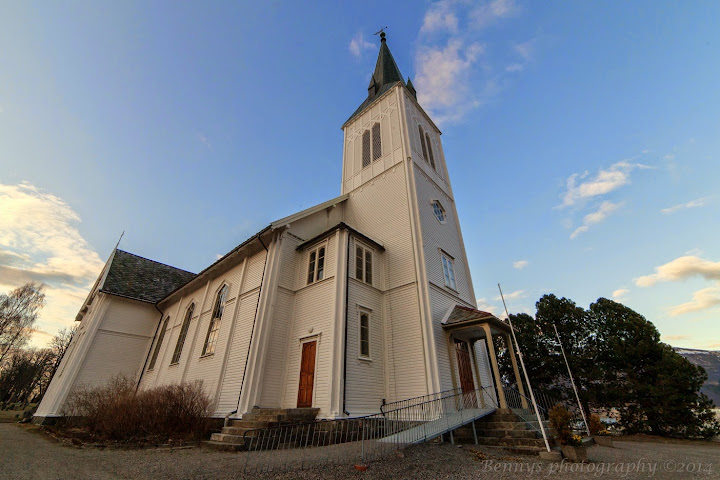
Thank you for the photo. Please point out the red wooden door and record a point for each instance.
(467, 385)
(307, 375)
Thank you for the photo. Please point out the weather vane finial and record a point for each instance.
(381, 32)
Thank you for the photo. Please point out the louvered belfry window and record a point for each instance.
(366, 148)
(422, 142)
(377, 145)
(430, 151)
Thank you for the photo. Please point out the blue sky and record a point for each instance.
(582, 138)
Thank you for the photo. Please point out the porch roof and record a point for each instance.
(460, 317)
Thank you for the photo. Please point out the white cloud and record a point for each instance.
(440, 17)
(605, 209)
(620, 293)
(579, 187)
(702, 300)
(488, 13)
(525, 49)
(39, 241)
(700, 202)
(442, 78)
(482, 304)
(358, 44)
(512, 296)
(680, 269)
(452, 75)
(520, 264)
(578, 231)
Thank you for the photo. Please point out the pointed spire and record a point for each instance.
(386, 70)
(411, 87)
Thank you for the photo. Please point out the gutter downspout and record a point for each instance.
(347, 306)
(157, 329)
(252, 332)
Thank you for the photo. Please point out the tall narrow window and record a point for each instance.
(182, 335)
(422, 142)
(212, 334)
(365, 335)
(359, 263)
(377, 145)
(366, 149)
(430, 151)
(368, 267)
(158, 344)
(363, 264)
(448, 271)
(316, 265)
(321, 264)
(311, 267)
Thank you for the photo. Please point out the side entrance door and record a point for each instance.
(307, 375)
(467, 384)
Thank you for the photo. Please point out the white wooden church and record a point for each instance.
(364, 299)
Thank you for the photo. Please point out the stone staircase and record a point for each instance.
(503, 429)
(232, 437)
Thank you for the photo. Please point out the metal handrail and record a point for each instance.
(362, 438)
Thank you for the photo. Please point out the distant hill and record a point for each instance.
(710, 361)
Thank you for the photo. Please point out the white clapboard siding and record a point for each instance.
(365, 381)
(313, 317)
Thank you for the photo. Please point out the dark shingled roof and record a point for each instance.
(386, 75)
(464, 314)
(141, 279)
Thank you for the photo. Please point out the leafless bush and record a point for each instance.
(115, 412)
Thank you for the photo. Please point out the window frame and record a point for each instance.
(182, 335)
(214, 327)
(436, 205)
(367, 313)
(361, 267)
(316, 264)
(448, 264)
(158, 345)
(371, 145)
(422, 143)
(430, 151)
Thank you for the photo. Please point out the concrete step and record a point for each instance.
(518, 449)
(502, 417)
(511, 442)
(515, 433)
(501, 425)
(227, 438)
(222, 446)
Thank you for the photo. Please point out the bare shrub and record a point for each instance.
(114, 411)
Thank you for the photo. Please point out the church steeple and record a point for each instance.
(386, 70)
(386, 75)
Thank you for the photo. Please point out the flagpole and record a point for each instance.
(587, 426)
(527, 379)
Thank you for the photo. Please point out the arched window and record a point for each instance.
(371, 151)
(158, 344)
(422, 142)
(183, 334)
(430, 151)
(377, 144)
(366, 148)
(212, 334)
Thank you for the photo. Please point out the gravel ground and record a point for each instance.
(26, 453)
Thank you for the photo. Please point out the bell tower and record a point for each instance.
(399, 193)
